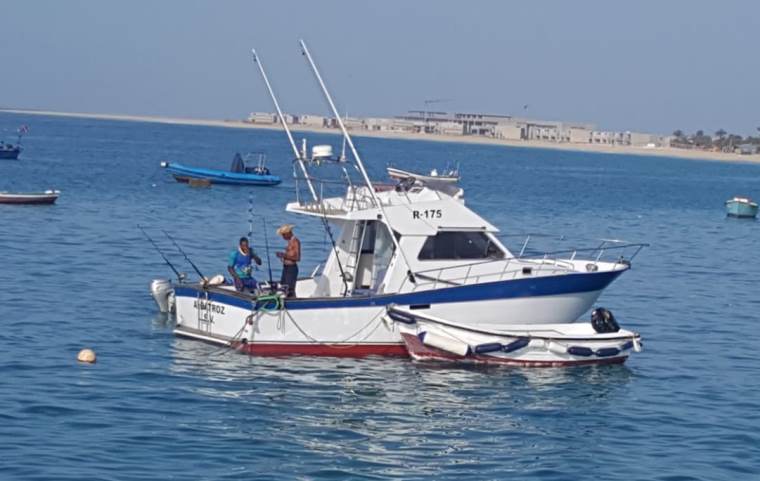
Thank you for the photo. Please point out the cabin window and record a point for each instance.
(459, 245)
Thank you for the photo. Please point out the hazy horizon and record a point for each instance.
(643, 67)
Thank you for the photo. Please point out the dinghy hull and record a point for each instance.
(183, 174)
(550, 345)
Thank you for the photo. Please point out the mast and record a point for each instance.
(299, 157)
(357, 158)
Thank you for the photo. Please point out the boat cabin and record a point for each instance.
(252, 164)
(435, 230)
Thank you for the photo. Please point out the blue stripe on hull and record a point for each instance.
(512, 289)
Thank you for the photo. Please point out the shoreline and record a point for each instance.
(239, 124)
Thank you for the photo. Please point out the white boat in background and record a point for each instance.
(447, 177)
(415, 246)
(30, 198)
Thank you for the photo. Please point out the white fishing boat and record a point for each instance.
(416, 246)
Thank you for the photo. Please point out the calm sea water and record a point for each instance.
(155, 407)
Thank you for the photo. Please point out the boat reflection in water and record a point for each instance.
(351, 407)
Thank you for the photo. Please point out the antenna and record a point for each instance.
(357, 158)
(299, 158)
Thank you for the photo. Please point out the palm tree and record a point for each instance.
(720, 133)
(679, 133)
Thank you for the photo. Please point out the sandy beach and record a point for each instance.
(239, 124)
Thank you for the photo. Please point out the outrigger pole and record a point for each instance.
(298, 155)
(358, 159)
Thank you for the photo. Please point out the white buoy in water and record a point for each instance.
(86, 355)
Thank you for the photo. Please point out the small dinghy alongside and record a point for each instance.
(741, 207)
(240, 173)
(600, 341)
(47, 197)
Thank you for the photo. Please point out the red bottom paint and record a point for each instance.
(329, 350)
(421, 352)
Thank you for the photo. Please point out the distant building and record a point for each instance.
(634, 139)
(262, 118)
(579, 135)
(747, 149)
(351, 123)
(485, 125)
(379, 124)
(501, 126)
(312, 120)
(508, 132)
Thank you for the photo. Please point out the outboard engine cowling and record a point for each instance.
(603, 321)
(163, 293)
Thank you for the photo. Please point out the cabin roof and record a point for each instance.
(418, 214)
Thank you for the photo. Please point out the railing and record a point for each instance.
(353, 196)
(545, 264)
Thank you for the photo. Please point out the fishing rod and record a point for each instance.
(155, 246)
(266, 247)
(198, 271)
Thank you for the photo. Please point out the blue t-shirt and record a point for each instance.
(241, 263)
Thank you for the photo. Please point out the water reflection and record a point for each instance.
(388, 413)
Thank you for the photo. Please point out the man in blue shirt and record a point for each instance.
(240, 267)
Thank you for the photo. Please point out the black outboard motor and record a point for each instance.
(603, 321)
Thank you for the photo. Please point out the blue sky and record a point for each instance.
(638, 65)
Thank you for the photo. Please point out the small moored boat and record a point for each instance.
(241, 173)
(449, 176)
(742, 207)
(9, 151)
(47, 197)
(12, 151)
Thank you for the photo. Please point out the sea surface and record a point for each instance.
(154, 406)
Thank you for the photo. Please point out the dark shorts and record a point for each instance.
(246, 283)
(289, 278)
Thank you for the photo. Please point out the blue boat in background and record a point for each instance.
(742, 207)
(241, 173)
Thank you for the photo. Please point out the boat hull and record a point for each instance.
(28, 199)
(356, 327)
(420, 352)
(746, 210)
(183, 174)
(10, 154)
(429, 338)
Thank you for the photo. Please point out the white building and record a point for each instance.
(508, 131)
(312, 120)
(262, 118)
